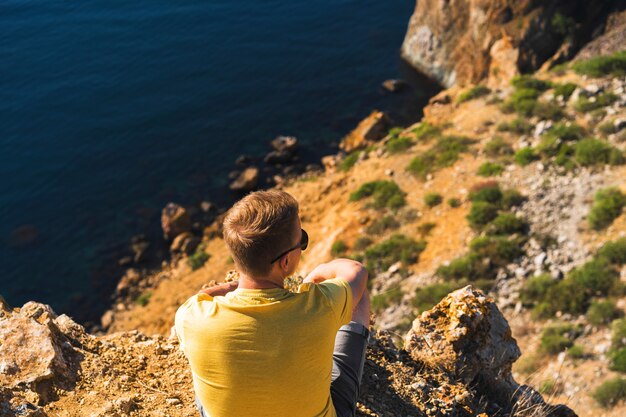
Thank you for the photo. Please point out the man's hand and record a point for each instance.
(221, 289)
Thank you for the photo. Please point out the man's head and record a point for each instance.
(259, 228)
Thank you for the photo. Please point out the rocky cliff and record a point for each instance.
(465, 41)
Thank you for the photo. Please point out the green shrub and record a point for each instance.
(398, 144)
(481, 214)
(339, 248)
(384, 193)
(198, 259)
(397, 248)
(547, 110)
(443, 153)
(566, 131)
(454, 202)
(490, 169)
(607, 128)
(564, 90)
(512, 198)
(603, 65)
(614, 252)
(590, 151)
(498, 250)
(362, 243)
(383, 224)
(525, 156)
(428, 296)
(384, 299)
(425, 131)
(487, 192)
(536, 288)
(576, 352)
(549, 146)
(144, 298)
(563, 25)
(548, 387)
(618, 336)
(618, 360)
(422, 165)
(472, 93)
(573, 294)
(519, 125)
(611, 392)
(486, 255)
(557, 338)
(559, 69)
(433, 199)
(608, 205)
(522, 101)
(529, 82)
(498, 147)
(448, 149)
(595, 277)
(424, 229)
(348, 162)
(585, 104)
(508, 224)
(602, 312)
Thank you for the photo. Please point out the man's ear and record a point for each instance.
(284, 262)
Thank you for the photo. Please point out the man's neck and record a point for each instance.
(259, 283)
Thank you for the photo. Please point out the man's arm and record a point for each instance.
(221, 289)
(352, 271)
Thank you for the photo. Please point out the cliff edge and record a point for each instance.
(457, 363)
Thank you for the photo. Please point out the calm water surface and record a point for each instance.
(110, 109)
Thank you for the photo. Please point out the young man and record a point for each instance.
(258, 350)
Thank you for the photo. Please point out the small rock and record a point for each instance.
(285, 144)
(243, 160)
(247, 180)
(394, 85)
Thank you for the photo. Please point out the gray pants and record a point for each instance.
(348, 362)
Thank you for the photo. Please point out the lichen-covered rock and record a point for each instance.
(467, 337)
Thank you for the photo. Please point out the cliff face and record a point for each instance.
(463, 41)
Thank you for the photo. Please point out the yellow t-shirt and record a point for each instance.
(264, 353)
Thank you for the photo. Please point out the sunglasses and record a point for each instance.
(304, 242)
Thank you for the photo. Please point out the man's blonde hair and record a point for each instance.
(258, 228)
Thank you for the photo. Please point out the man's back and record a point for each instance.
(264, 352)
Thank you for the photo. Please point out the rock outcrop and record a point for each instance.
(455, 42)
(467, 338)
(371, 129)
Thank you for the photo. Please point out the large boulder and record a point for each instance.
(371, 129)
(34, 349)
(467, 337)
(174, 220)
(285, 144)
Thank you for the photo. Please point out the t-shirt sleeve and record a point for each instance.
(181, 313)
(339, 295)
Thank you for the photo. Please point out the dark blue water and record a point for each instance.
(110, 109)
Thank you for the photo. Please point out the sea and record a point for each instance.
(111, 109)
